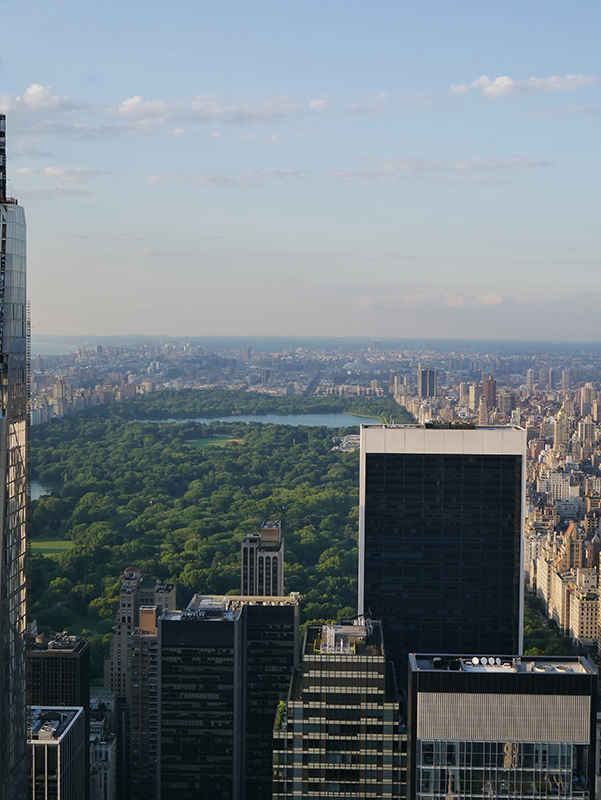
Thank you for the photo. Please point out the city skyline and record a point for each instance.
(416, 171)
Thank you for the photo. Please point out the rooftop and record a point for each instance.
(358, 637)
(227, 607)
(51, 724)
(561, 665)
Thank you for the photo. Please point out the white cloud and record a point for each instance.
(504, 85)
(258, 137)
(561, 112)
(465, 170)
(62, 174)
(37, 98)
(136, 108)
(375, 104)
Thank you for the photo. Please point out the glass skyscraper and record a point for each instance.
(440, 533)
(14, 430)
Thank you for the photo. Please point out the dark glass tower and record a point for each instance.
(223, 666)
(441, 515)
(14, 429)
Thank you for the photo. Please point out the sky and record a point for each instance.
(335, 168)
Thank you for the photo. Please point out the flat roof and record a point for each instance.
(559, 665)
(50, 724)
(486, 440)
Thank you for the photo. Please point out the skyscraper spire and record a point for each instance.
(2, 157)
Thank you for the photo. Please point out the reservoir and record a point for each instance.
(312, 420)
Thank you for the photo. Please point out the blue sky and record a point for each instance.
(335, 168)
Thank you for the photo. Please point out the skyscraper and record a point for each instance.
(58, 752)
(262, 561)
(426, 381)
(338, 734)
(14, 433)
(440, 536)
(224, 664)
(497, 726)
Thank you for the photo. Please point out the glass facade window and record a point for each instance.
(441, 551)
(501, 769)
(14, 435)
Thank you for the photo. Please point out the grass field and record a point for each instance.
(50, 547)
(218, 440)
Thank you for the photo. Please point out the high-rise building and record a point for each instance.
(483, 411)
(587, 396)
(566, 379)
(58, 674)
(560, 433)
(14, 442)
(501, 726)
(224, 665)
(475, 392)
(58, 752)
(426, 381)
(440, 537)
(338, 732)
(135, 723)
(489, 390)
(529, 378)
(59, 671)
(262, 561)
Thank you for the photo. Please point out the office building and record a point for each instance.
(58, 674)
(103, 746)
(529, 378)
(440, 537)
(489, 391)
(338, 734)
(59, 671)
(262, 561)
(224, 664)
(122, 671)
(426, 381)
(14, 455)
(497, 726)
(475, 393)
(103, 761)
(58, 753)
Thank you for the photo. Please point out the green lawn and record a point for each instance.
(219, 440)
(50, 547)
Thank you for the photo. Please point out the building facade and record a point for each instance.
(498, 726)
(262, 561)
(338, 733)
(14, 497)
(134, 689)
(440, 537)
(58, 753)
(426, 381)
(224, 664)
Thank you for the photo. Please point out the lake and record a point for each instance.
(37, 490)
(311, 420)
